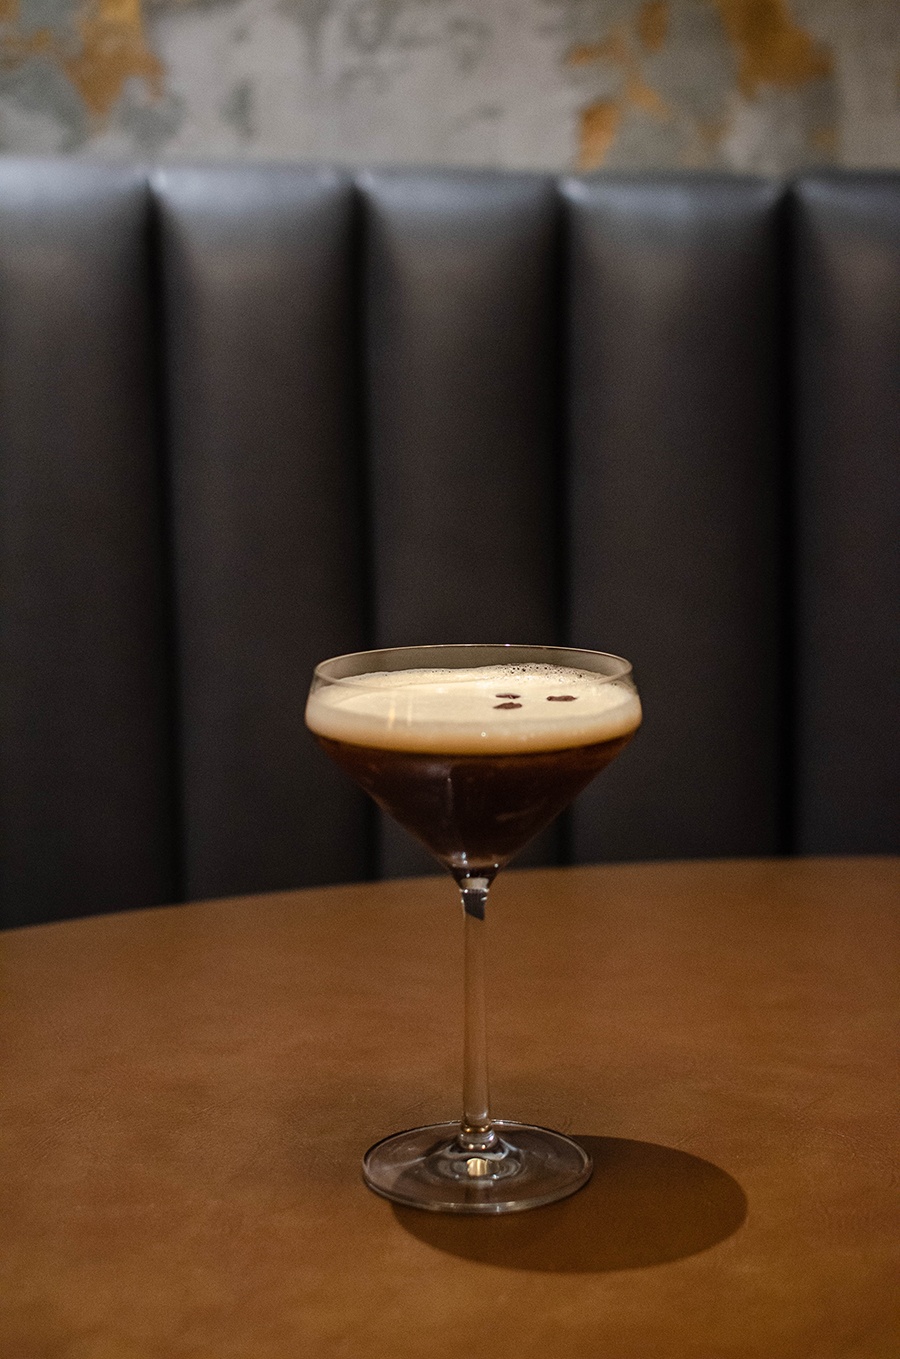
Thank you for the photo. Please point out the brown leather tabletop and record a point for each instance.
(187, 1093)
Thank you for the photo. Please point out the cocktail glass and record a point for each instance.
(474, 750)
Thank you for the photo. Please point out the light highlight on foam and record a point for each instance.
(455, 712)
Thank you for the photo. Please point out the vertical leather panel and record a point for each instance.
(84, 743)
(461, 277)
(675, 486)
(268, 515)
(847, 259)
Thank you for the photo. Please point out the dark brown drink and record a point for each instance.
(473, 811)
(475, 761)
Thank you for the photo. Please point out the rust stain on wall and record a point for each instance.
(653, 24)
(643, 96)
(16, 48)
(111, 49)
(771, 48)
(600, 121)
(599, 125)
(614, 48)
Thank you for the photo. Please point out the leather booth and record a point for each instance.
(253, 416)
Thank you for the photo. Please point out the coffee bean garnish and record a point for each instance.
(561, 698)
(507, 695)
(507, 705)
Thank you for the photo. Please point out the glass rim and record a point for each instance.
(623, 671)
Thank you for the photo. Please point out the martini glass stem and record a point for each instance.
(476, 1133)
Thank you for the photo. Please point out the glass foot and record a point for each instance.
(427, 1168)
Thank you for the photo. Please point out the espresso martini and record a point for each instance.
(474, 749)
(474, 761)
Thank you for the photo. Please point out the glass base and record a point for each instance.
(427, 1168)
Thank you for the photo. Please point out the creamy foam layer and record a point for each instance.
(492, 710)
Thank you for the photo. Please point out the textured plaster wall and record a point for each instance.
(764, 85)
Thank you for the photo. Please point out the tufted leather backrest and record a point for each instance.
(87, 768)
(846, 414)
(253, 416)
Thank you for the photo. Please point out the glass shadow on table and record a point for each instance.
(644, 1205)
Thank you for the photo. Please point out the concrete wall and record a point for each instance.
(764, 85)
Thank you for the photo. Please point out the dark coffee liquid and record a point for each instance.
(473, 811)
